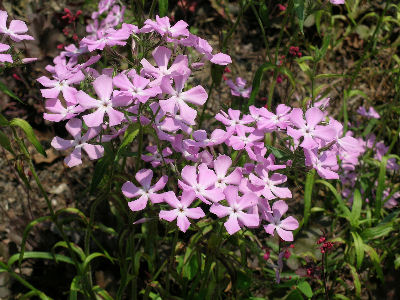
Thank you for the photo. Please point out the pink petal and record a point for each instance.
(17, 26)
(188, 197)
(221, 165)
(103, 87)
(207, 177)
(280, 206)
(232, 224)
(296, 116)
(74, 127)
(221, 59)
(313, 116)
(231, 195)
(168, 215)
(93, 151)
(144, 177)
(183, 222)
(284, 234)
(115, 117)
(61, 144)
(194, 213)
(289, 223)
(196, 95)
(171, 199)
(138, 204)
(160, 184)
(161, 56)
(249, 220)
(85, 100)
(270, 228)
(94, 119)
(50, 93)
(130, 190)
(220, 210)
(189, 175)
(74, 158)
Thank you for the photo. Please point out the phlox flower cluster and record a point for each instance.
(161, 95)
(15, 32)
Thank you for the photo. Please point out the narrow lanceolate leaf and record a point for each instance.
(101, 167)
(3, 121)
(307, 195)
(380, 188)
(8, 92)
(41, 255)
(299, 10)
(130, 135)
(356, 208)
(375, 260)
(341, 203)
(5, 142)
(163, 7)
(356, 280)
(258, 76)
(305, 288)
(28, 228)
(24, 125)
(359, 247)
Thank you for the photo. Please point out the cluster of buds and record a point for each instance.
(69, 16)
(325, 246)
(294, 51)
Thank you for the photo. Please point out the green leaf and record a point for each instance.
(397, 262)
(3, 121)
(163, 7)
(74, 288)
(359, 247)
(41, 255)
(24, 125)
(375, 260)
(89, 258)
(299, 10)
(73, 246)
(341, 203)
(356, 208)
(101, 167)
(26, 234)
(258, 76)
(294, 295)
(356, 280)
(216, 74)
(8, 92)
(305, 288)
(307, 195)
(378, 231)
(5, 142)
(129, 136)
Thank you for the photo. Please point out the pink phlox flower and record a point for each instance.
(205, 157)
(74, 127)
(60, 112)
(218, 136)
(381, 150)
(28, 60)
(270, 190)
(114, 133)
(221, 59)
(283, 227)
(72, 51)
(236, 210)
(5, 57)
(246, 138)
(371, 113)
(156, 159)
(239, 89)
(103, 85)
(181, 211)
(162, 56)
(90, 72)
(163, 27)
(321, 103)
(232, 120)
(115, 16)
(201, 181)
(270, 122)
(104, 5)
(135, 89)
(63, 79)
(221, 167)
(255, 113)
(269, 163)
(188, 151)
(146, 191)
(15, 30)
(110, 37)
(337, 2)
(178, 100)
(309, 129)
(391, 199)
(324, 163)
